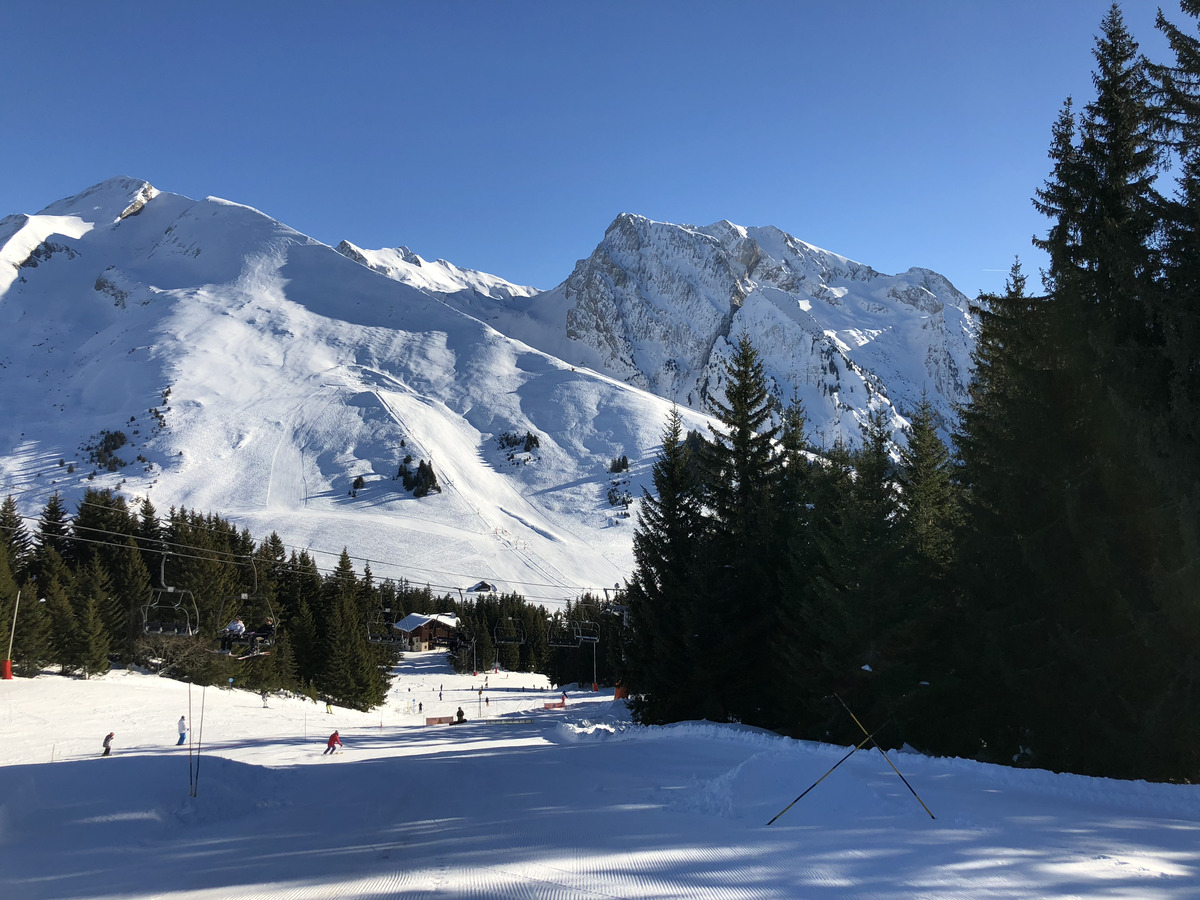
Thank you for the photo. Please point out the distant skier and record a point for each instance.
(334, 743)
(461, 717)
(421, 707)
(108, 744)
(264, 699)
(182, 731)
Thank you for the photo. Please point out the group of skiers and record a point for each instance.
(332, 744)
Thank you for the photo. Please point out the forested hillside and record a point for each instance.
(112, 585)
(1027, 596)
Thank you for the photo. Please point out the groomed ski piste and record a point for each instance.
(525, 801)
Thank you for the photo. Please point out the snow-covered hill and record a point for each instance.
(661, 306)
(257, 373)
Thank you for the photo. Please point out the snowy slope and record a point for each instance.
(571, 803)
(258, 372)
(438, 276)
(661, 306)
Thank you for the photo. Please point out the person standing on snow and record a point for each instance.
(108, 744)
(334, 743)
(182, 730)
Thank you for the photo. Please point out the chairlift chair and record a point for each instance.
(562, 634)
(508, 631)
(254, 608)
(382, 630)
(171, 612)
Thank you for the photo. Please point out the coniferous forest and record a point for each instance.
(119, 586)
(1029, 594)
(1026, 592)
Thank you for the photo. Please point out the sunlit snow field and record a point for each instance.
(577, 803)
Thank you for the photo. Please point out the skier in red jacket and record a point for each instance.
(334, 743)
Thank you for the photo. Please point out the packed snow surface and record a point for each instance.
(525, 802)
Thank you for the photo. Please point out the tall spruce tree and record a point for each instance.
(922, 678)
(131, 592)
(52, 532)
(741, 474)
(664, 653)
(794, 645)
(1062, 565)
(92, 590)
(854, 604)
(14, 538)
(1178, 313)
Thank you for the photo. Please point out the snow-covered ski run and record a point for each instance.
(561, 803)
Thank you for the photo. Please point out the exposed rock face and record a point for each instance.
(662, 305)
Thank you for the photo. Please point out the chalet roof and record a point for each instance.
(413, 621)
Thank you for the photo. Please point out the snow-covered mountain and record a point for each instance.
(257, 373)
(661, 306)
(439, 276)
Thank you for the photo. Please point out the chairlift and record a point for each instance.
(589, 632)
(172, 611)
(382, 630)
(508, 631)
(255, 609)
(562, 634)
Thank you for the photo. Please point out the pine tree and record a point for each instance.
(1068, 530)
(665, 656)
(928, 521)
(131, 593)
(741, 477)
(32, 650)
(93, 639)
(8, 599)
(55, 586)
(15, 542)
(1178, 312)
(53, 529)
(350, 670)
(90, 597)
(854, 604)
(793, 645)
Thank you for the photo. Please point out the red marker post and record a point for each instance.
(7, 674)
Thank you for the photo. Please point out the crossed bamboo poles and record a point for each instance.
(869, 739)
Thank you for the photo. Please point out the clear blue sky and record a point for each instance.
(505, 136)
